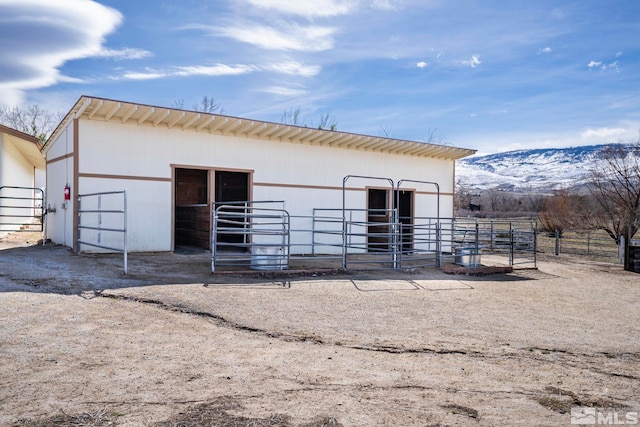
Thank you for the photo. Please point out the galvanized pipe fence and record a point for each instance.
(102, 217)
(254, 233)
(265, 236)
(22, 209)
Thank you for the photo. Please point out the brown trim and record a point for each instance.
(173, 210)
(430, 193)
(328, 187)
(59, 158)
(211, 168)
(74, 185)
(21, 135)
(212, 190)
(126, 177)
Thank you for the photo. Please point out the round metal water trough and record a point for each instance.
(466, 256)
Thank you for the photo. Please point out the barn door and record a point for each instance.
(231, 187)
(403, 202)
(378, 220)
(191, 211)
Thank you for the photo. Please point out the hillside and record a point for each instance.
(536, 170)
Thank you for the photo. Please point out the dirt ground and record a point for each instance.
(171, 344)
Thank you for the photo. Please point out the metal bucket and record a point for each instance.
(467, 257)
(269, 258)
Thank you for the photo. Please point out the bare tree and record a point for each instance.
(327, 122)
(33, 120)
(614, 183)
(463, 195)
(386, 130)
(291, 117)
(434, 137)
(557, 212)
(207, 104)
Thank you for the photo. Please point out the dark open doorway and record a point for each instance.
(404, 201)
(378, 219)
(231, 187)
(192, 217)
(193, 198)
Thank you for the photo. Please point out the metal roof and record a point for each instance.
(92, 108)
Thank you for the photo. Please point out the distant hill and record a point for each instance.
(537, 170)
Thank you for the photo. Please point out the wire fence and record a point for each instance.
(596, 245)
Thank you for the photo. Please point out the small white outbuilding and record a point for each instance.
(22, 168)
(175, 164)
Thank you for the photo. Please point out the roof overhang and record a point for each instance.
(28, 145)
(91, 108)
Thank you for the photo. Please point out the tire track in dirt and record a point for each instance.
(552, 356)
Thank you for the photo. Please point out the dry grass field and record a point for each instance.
(170, 344)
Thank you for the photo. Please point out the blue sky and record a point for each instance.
(488, 75)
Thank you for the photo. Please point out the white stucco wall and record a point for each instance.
(15, 171)
(60, 173)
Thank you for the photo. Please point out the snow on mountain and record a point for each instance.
(537, 170)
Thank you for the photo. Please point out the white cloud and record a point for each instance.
(10, 95)
(422, 64)
(544, 50)
(291, 37)
(39, 36)
(215, 70)
(288, 67)
(604, 67)
(126, 53)
(602, 133)
(294, 68)
(613, 65)
(149, 75)
(187, 71)
(473, 62)
(284, 91)
(383, 5)
(307, 8)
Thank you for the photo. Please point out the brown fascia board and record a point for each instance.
(21, 135)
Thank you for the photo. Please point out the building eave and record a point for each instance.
(28, 145)
(91, 108)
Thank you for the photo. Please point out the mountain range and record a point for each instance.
(536, 170)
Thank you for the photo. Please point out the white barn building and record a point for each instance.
(22, 167)
(174, 164)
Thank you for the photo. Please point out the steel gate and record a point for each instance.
(22, 209)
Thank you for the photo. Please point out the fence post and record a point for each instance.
(511, 244)
(477, 241)
(621, 250)
(438, 244)
(557, 242)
